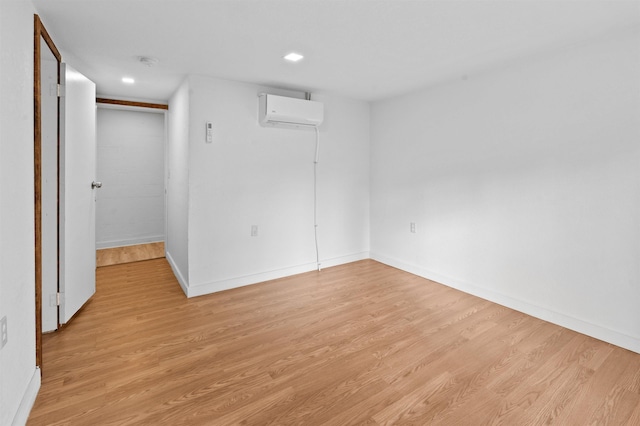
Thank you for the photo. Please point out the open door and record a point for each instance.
(77, 191)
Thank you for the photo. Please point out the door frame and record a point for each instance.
(40, 34)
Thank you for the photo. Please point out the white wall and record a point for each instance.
(19, 379)
(176, 240)
(524, 183)
(252, 175)
(130, 207)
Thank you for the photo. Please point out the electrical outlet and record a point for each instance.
(413, 228)
(3, 332)
(254, 230)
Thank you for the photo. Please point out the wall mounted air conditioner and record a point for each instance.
(282, 111)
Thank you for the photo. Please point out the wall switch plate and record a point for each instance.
(254, 230)
(413, 228)
(4, 333)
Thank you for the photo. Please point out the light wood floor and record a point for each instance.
(126, 254)
(361, 343)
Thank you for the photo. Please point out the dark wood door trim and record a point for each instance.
(131, 103)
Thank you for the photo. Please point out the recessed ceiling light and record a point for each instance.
(293, 57)
(128, 80)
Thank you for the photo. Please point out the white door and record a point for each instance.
(77, 192)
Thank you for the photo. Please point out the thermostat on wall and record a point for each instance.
(209, 132)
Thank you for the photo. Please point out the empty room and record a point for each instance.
(362, 212)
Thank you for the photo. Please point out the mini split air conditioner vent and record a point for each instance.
(282, 111)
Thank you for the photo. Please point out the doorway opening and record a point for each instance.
(46, 153)
(131, 212)
(64, 187)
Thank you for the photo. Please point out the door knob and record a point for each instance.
(95, 184)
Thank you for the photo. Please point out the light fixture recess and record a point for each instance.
(128, 80)
(293, 57)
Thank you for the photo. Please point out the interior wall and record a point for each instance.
(176, 240)
(250, 175)
(524, 184)
(19, 378)
(130, 207)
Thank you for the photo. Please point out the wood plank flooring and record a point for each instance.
(126, 254)
(361, 343)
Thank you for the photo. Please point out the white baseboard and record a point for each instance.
(129, 242)
(28, 399)
(215, 286)
(590, 329)
(176, 271)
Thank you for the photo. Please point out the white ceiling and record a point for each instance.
(364, 49)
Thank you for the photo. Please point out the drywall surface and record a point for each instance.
(264, 177)
(130, 205)
(17, 290)
(176, 242)
(524, 185)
